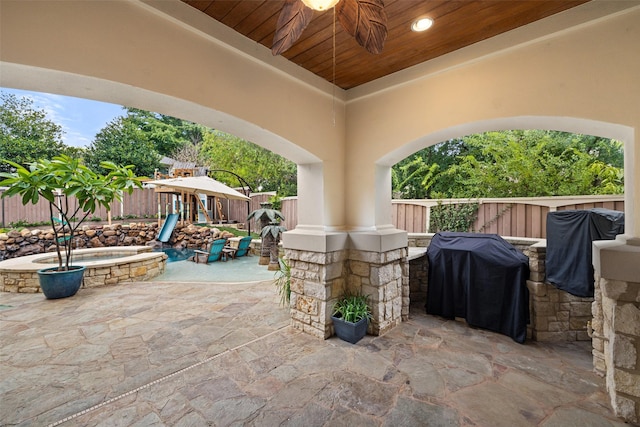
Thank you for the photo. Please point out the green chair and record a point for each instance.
(241, 250)
(213, 254)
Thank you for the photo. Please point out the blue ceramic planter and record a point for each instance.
(350, 332)
(60, 284)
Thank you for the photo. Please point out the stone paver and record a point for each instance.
(206, 354)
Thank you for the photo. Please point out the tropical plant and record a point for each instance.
(60, 179)
(282, 281)
(352, 308)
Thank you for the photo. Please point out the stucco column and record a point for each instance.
(616, 309)
(366, 255)
(632, 188)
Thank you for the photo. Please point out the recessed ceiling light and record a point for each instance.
(421, 24)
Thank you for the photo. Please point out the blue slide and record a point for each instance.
(167, 228)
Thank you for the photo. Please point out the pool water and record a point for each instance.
(101, 256)
(176, 254)
(243, 269)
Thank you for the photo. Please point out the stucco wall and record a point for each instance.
(581, 78)
(573, 71)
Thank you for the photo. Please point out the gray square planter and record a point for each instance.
(350, 332)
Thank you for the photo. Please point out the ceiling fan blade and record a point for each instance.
(366, 21)
(293, 19)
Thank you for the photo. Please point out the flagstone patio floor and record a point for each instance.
(207, 354)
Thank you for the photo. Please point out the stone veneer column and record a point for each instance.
(384, 277)
(326, 265)
(616, 323)
(317, 279)
(556, 315)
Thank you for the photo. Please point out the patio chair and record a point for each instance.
(241, 250)
(213, 254)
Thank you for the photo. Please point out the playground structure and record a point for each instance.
(188, 198)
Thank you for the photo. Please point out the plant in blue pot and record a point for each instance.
(74, 192)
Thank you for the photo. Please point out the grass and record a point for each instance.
(232, 230)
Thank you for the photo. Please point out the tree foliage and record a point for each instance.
(26, 134)
(123, 142)
(517, 163)
(168, 134)
(261, 168)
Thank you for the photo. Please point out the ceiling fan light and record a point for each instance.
(320, 4)
(421, 24)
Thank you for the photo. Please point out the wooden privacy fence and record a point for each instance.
(516, 217)
(141, 203)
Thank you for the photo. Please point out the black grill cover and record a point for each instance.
(481, 278)
(569, 235)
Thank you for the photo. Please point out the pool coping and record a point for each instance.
(138, 263)
(30, 263)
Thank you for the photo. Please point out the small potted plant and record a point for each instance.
(58, 181)
(350, 317)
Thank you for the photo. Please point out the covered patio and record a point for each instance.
(197, 354)
(575, 71)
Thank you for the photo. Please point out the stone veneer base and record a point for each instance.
(137, 263)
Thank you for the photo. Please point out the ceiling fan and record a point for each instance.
(365, 20)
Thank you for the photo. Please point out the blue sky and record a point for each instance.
(80, 119)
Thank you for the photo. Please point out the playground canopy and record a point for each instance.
(199, 185)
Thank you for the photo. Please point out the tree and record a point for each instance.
(517, 163)
(531, 163)
(167, 134)
(122, 142)
(261, 168)
(26, 134)
(421, 174)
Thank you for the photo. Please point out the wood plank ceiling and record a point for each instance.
(457, 23)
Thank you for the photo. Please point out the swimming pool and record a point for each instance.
(105, 266)
(176, 254)
(243, 269)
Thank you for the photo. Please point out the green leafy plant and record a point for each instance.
(282, 281)
(21, 223)
(57, 181)
(276, 202)
(352, 308)
(452, 217)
